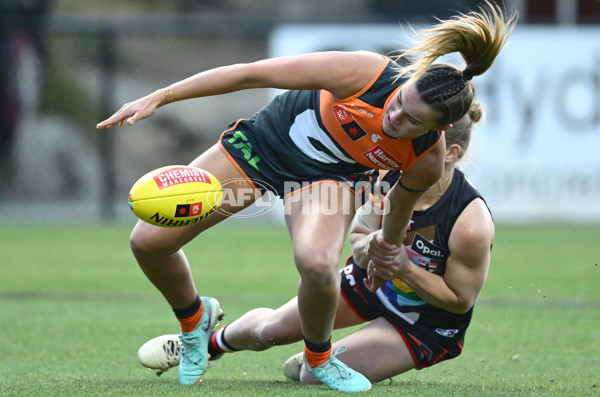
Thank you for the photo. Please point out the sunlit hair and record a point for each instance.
(460, 133)
(477, 36)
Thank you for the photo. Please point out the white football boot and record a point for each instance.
(161, 353)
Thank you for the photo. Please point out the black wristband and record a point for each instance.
(403, 186)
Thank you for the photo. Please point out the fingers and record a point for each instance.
(374, 277)
(373, 283)
(130, 113)
(384, 244)
(110, 122)
(381, 249)
(119, 118)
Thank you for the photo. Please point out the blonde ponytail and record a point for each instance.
(478, 36)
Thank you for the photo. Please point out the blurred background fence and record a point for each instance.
(66, 65)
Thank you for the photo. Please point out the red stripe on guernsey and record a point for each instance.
(179, 175)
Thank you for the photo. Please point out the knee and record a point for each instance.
(266, 334)
(317, 267)
(266, 329)
(143, 243)
(139, 243)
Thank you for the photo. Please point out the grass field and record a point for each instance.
(74, 308)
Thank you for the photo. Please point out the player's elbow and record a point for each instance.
(459, 309)
(461, 305)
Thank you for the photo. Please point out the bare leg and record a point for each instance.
(262, 328)
(158, 250)
(318, 224)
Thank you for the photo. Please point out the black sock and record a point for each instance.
(317, 347)
(188, 311)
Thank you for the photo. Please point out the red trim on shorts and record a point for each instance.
(418, 365)
(352, 306)
(439, 358)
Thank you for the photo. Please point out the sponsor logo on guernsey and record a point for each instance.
(176, 176)
(347, 122)
(363, 111)
(186, 210)
(424, 247)
(382, 159)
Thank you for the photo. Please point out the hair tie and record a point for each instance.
(467, 75)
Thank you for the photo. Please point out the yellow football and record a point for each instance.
(175, 196)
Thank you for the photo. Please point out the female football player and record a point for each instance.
(419, 317)
(344, 114)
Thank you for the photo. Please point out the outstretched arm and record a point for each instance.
(341, 73)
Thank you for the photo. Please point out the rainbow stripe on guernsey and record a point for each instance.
(401, 299)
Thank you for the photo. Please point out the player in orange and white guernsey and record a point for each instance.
(311, 135)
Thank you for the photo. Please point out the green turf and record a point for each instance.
(74, 308)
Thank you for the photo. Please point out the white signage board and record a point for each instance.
(536, 156)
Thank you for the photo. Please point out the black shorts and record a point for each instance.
(426, 347)
(279, 172)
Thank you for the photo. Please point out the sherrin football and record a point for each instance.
(175, 196)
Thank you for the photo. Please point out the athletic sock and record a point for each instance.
(218, 344)
(189, 316)
(317, 353)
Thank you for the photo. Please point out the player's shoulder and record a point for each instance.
(474, 225)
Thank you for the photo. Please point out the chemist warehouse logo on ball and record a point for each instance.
(176, 176)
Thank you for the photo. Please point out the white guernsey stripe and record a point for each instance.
(305, 126)
(411, 317)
